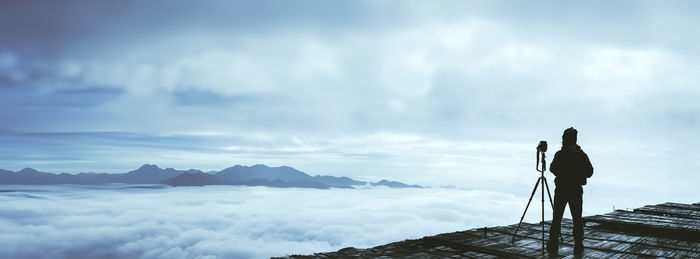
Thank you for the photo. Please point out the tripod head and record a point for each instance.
(541, 149)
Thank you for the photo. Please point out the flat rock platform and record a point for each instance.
(670, 230)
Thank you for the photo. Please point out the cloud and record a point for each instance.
(232, 222)
(453, 76)
(252, 222)
(437, 69)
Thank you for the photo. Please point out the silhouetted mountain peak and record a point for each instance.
(233, 168)
(149, 174)
(394, 184)
(239, 173)
(28, 171)
(148, 167)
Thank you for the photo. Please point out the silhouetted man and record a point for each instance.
(571, 168)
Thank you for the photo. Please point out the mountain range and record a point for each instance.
(257, 175)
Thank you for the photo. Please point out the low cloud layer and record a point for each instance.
(153, 221)
(232, 222)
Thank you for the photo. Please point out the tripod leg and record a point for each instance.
(551, 202)
(528, 205)
(542, 223)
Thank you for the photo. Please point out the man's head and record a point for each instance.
(569, 137)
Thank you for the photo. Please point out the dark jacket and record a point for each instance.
(571, 166)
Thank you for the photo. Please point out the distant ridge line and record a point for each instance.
(256, 175)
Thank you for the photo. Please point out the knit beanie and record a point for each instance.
(569, 137)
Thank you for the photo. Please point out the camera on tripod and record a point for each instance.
(542, 147)
(540, 166)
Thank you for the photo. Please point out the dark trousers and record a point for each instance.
(573, 195)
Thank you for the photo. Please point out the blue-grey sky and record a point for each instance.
(431, 92)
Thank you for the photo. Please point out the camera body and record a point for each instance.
(542, 147)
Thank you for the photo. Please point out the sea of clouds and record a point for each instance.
(230, 221)
(154, 221)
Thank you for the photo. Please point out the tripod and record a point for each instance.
(542, 179)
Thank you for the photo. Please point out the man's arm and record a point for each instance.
(554, 166)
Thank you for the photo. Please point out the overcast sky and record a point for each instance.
(424, 92)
